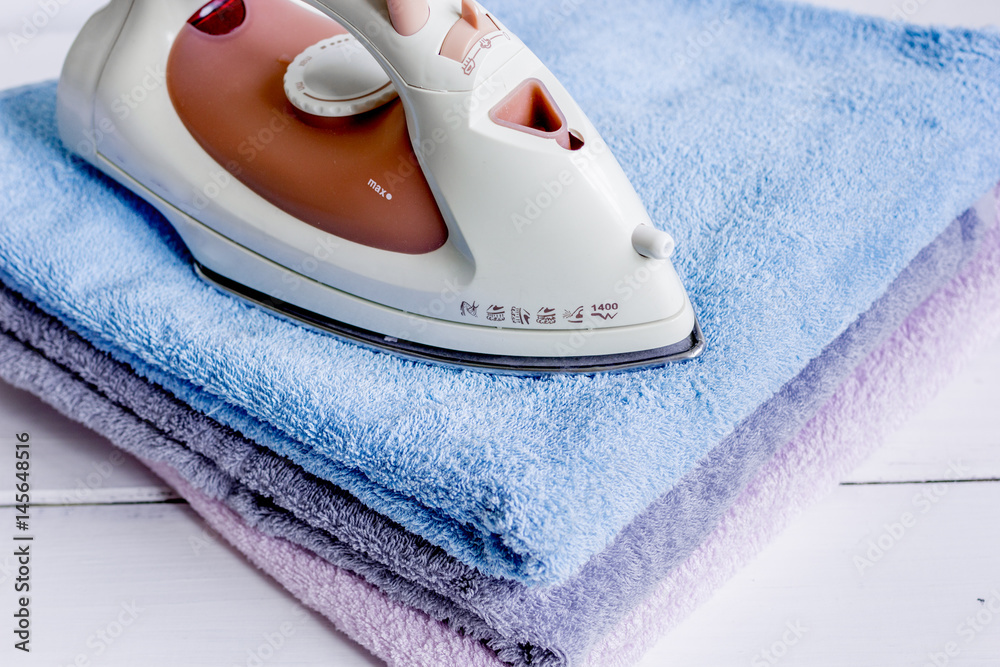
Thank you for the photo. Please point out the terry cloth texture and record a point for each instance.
(893, 381)
(802, 160)
(522, 625)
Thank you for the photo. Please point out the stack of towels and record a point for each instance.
(819, 172)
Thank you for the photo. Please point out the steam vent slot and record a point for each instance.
(530, 108)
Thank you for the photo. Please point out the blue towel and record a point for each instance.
(537, 627)
(802, 158)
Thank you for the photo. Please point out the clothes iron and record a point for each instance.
(403, 173)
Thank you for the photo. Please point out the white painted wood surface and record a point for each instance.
(147, 586)
(963, 423)
(74, 465)
(112, 540)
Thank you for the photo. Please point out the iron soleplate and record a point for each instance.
(688, 348)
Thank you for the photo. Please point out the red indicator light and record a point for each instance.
(219, 17)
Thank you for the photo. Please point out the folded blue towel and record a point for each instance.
(525, 626)
(801, 158)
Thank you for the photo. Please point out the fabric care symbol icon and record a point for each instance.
(470, 309)
(496, 314)
(546, 316)
(519, 316)
(574, 316)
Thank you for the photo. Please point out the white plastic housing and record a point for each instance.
(534, 228)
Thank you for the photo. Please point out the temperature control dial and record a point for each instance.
(337, 78)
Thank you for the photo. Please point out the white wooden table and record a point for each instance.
(124, 575)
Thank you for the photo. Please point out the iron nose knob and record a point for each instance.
(653, 243)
